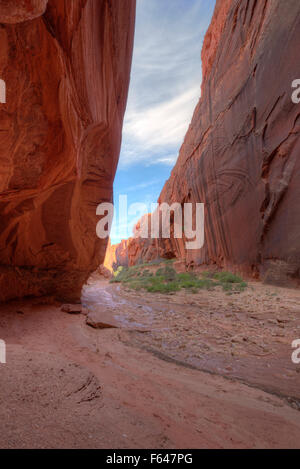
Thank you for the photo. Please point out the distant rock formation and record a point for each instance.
(241, 153)
(116, 255)
(66, 65)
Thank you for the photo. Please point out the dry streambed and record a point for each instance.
(69, 385)
(246, 335)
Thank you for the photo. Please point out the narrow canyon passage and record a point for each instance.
(69, 385)
(182, 334)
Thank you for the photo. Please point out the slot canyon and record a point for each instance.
(240, 154)
(144, 343)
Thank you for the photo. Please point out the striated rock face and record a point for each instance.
(240, 155)
(66, 65)
(137, 250)
(12, 12)
(134, 251)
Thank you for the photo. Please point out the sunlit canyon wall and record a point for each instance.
(66, 65)
(240, 156)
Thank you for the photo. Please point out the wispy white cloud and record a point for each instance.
(168, 160)
(165, 88)
(162, 124)
(166, 78)
(143, 185)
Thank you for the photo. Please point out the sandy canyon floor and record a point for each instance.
(207, 370)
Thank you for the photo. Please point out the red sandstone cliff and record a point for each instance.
(116, 255)
(66, 65)
(119, 255)
(240, 155)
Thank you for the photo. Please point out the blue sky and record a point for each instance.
(164, 90)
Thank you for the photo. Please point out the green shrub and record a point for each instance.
(227, 277)
(167, 280)
(168, 273)
(160, 287)
(230, 282)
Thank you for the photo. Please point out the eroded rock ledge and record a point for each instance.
(66, 65)
(240, 155)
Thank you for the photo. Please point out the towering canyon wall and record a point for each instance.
(241, 153)
(66, 64)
